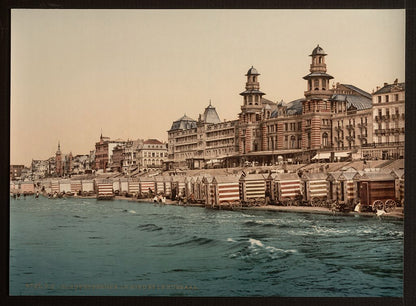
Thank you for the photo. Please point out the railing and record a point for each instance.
(384, 144)
(349, 126)
(377, 118)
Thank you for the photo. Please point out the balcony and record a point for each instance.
(377, 118)
(349, 127)
(395, 116)
(385, 117)
(338, 128)
(362, 125)
(362, 136)
(350, 138)
(380, 132)
(402, 116)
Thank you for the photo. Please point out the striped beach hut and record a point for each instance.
(147, 184)
(167, 182)
(315, 187)
(159, 184)
(284, 187)
(104, 189)
(252, 187)
(55, 187)
(13, 187)
(76, 186)
(178, 183)
(134, 186)
(224, 189)
(87, 186)
(206, 190)
(27, 187)
(342, 186)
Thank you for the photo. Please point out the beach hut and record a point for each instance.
(252, 188)
(159, 184)
(315, 188)
(124, 186)
(206, 190)
(188, 190)
(147, 185)
(398, 175)
(224, 189)
(167, 182)
(55, 187)
(342, 186)
(76, 186)
(284, 188)
(27, 187)
(105, 189)
(178, 185)
(134, 187)
(116, 186)
(87, 187)
(376, 190)
(64, 186)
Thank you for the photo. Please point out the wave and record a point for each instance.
(149, 227)
(95, 237)
(194, 241)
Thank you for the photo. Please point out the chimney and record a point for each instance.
(377, 88)
(385, 84)
(396, 81)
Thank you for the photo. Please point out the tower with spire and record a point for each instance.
(58, 161)
(316, 108)
(251, 114)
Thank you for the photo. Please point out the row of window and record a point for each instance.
(386, 98)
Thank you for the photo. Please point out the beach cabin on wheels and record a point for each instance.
(178, 185)
(76, 186)
(87, 187)
(206, 191)
(134, 187)
(160, 185)
(284, 188)
(55, 187)
(399, 184)
(124, 186)
(116, 186)
(342, 187)
(147, 185)
(376, 190)
(315, 188)
(27, 187)
(65, 186)
(224, 191)
(252, 189)
(104, 189)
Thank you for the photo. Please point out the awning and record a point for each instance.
(322, 156)
(342, 154)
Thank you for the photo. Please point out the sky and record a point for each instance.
(131, 73)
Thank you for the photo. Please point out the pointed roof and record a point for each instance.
(210, 115)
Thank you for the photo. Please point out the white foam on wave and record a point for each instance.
(273, 249)
(230, 240)
(132, 211)
(255, 242)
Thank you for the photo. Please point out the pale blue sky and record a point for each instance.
(132, 72)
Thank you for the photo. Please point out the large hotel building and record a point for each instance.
(328, 123)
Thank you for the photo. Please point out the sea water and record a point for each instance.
(88, 247)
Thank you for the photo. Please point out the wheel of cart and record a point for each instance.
(251, 202)
(389, 205)
(377, 205)
(316, 201)
(287, 202)
(260, 201)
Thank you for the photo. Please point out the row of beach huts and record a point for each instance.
(372, 189)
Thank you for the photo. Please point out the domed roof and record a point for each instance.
(318, 51)
(252, 71)
(183, 123)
